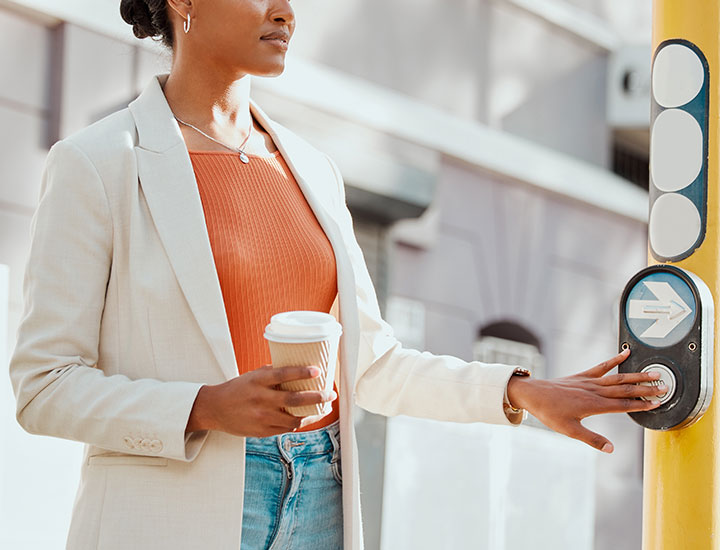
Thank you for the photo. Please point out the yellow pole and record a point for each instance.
(681, 495)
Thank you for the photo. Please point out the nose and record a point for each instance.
(282, 12)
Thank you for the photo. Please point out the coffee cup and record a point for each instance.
(301, 338)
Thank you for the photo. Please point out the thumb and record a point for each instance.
(595, 440)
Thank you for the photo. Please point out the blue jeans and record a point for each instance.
(293, 491)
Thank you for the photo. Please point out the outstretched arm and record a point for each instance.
(394, 380)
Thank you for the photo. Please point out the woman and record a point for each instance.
(165, 237)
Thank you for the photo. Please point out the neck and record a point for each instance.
(209, 98)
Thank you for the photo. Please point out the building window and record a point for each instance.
(628, 163)
(510, 344)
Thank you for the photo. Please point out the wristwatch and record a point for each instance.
(507, 407)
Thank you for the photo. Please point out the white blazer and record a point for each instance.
(124, 322)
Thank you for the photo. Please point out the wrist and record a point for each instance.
(201, 416)
(518, 389)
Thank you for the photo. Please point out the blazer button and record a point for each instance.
(145, 444)
(156, 446)
(128, 442)
(137, 442)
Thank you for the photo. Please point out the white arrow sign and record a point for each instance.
(668, 310)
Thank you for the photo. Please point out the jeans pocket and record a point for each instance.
(336, 467)
(335, 461)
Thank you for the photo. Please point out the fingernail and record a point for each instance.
(626, 351)
(655, 402)
(314, 371)
(607, 448)
(661, 386)
(654, 375)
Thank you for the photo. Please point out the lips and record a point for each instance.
(282, 36)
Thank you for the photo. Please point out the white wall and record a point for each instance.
(477, 486)
(3, 361)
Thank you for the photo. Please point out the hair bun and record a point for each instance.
(137, 13)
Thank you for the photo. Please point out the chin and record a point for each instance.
(275, 70)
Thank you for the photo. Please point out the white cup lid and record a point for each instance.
(302, 326)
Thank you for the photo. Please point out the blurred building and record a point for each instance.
(495, 154)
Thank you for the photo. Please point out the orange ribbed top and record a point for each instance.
(270, 252)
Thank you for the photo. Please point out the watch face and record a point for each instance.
(660, 310)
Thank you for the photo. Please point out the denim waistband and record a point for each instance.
(294, 444)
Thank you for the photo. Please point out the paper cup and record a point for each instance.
(301, 338)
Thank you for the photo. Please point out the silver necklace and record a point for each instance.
(239, 150)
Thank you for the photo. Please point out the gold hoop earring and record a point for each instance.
(186, 24)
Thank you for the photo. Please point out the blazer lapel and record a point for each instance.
(168, 182)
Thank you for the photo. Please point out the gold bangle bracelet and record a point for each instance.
(519, 371)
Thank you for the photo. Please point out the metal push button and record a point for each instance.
(666, 377)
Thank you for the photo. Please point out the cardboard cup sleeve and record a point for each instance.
(322, 354)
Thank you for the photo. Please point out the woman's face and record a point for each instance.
(240, 36)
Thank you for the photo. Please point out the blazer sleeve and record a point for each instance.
(59, 389)
(392, 380)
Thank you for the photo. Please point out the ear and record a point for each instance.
(180, 7)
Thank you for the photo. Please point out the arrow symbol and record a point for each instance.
(669, 310)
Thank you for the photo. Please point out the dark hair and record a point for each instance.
(148, 18)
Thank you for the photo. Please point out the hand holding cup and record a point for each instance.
(252, 404)
(296, 390)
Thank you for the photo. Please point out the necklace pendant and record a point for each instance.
(244, 158)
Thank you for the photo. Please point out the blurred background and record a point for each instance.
(496, 160)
